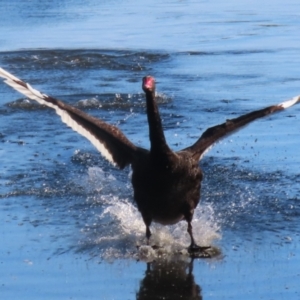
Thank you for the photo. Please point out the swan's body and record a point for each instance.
(166, 184)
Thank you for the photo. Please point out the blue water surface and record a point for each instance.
(69, 227)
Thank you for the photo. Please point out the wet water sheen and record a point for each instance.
(69, 226)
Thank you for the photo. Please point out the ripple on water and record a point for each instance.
(83, 59)
(248, 203)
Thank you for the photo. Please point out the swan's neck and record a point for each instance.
(157, 137)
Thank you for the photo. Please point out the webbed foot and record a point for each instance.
(196, 251)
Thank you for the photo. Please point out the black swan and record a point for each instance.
(166, 184)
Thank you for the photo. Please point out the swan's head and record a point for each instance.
(148, 84)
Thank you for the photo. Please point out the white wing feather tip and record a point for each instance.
(290, 102)
(7, 75)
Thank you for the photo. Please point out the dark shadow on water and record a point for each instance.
(169, 279)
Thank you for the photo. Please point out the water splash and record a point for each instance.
(119, 231)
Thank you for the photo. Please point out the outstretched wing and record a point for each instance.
(108, 139)
(213, 134)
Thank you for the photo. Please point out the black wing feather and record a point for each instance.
(215, 133)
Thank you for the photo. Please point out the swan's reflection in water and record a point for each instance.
(169, 279)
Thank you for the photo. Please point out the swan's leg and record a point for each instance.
(194, 248)
(147, 222)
